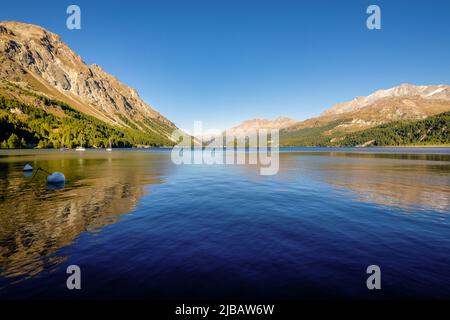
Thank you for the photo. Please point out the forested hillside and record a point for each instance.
(432, 131)
(58, 125)
(310, 136)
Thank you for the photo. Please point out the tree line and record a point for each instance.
(433, 130)
(27, 126)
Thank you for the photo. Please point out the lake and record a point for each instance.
(140, 226)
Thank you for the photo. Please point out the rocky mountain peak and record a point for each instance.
(32, 55)
(428, 92)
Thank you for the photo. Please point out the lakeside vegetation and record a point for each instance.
(58, 125)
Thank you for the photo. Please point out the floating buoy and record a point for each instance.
(56, 178)
(27, 168)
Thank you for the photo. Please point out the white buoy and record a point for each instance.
(56, 178)
(27, 168)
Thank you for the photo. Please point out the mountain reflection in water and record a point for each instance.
(35, 222)
(404, 180)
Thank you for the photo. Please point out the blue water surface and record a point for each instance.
(141, 227)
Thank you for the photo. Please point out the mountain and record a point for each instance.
(250, 126)
(406, 103)
(438, 92)
(35, 62)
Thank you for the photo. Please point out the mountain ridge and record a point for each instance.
(430, 92)
(37, 60)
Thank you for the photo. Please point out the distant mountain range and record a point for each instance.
(406, 103)
(249, 126)
(36, 63)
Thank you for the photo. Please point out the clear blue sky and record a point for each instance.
(230, 60)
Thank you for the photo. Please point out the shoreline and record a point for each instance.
(281, 147)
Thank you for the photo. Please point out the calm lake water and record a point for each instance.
(141, 227)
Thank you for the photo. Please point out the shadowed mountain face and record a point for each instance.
(36, 222)
(35, 59)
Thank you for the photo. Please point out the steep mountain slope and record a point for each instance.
(37, 61)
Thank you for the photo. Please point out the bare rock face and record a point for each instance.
(37, 57)
(433, 92)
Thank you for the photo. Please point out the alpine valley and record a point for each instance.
(50, 98)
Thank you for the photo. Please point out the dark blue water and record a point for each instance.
(140, 227)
